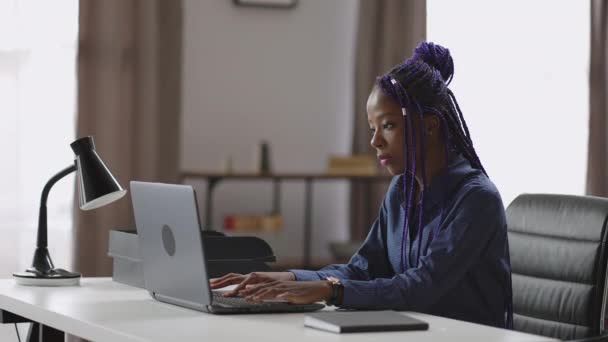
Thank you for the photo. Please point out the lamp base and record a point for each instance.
(54, 277)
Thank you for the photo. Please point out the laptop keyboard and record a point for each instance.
(219, 298)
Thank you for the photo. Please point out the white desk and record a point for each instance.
(102, 310)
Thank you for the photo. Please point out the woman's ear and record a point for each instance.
(431, 124)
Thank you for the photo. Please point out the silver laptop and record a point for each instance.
(175, 266)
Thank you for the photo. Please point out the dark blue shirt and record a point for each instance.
(463, 272)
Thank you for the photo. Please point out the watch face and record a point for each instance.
(333, 280)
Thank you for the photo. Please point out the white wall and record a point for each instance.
(37, 102)
(521, 78)
(285, 76)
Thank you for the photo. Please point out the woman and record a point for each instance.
(439, 244)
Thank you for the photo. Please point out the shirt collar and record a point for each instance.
(444, 184)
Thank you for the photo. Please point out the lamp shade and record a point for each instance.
(96, 184)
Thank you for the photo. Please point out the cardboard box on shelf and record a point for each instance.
(253, 223)
(361, 164)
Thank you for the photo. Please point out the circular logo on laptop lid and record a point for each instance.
(168, 240)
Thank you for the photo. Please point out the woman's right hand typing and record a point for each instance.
(243, 280)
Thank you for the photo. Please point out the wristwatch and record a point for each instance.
(337, 291)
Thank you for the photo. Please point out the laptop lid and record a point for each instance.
(168, 226)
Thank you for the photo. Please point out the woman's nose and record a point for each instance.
(376, 141)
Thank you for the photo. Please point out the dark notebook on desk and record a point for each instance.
(363, 321)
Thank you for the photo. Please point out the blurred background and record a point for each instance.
(174, 91)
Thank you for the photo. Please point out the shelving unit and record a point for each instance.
(214, 178)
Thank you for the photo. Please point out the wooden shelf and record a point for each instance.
(213, 178)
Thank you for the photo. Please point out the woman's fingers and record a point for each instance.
(286, 296)
(224, 277)
(229, 279)
(293, 292)
(293, 297)
(251, 278)
(222, 281)
(265, 293)
(252, 289)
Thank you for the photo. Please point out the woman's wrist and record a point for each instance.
(289, 276)
(337, 291)
(328, 291)
(340, 298)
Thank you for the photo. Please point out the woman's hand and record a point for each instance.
(246, 280)
(296, 292)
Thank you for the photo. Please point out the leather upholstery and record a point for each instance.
(558, 259)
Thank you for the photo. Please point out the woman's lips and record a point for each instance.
(385, 160)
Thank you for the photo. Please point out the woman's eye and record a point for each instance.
(371, 130)
(388, 125)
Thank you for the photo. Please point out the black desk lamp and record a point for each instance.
(96, 186)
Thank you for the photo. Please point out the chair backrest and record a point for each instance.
(558, 259)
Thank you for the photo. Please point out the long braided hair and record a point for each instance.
(420, 85)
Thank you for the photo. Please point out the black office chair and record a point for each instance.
(558, 258)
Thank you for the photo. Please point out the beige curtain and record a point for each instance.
(129, 65)
(597, 164)
(388, 32)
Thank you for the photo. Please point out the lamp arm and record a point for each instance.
(42, 223)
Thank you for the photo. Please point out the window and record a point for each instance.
(37, 112)
(521, 79)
